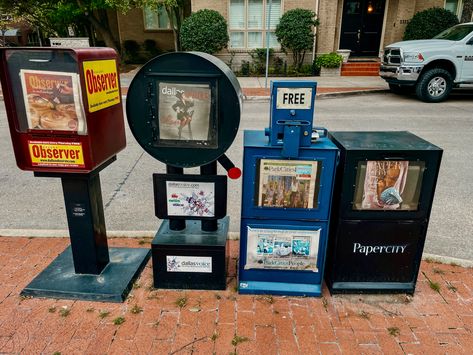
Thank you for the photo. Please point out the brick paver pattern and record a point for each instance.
(438, 319)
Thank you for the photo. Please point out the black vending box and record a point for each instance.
(193, 259)
(383, 196)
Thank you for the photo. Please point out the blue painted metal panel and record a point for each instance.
(292, 103)
(256, 215)
(282, 276)
(256, 148)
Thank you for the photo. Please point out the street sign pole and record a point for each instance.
(267, 43)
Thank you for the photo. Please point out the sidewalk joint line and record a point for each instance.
(120, 184)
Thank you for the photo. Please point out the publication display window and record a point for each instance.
(388, 185)
(47, 91)
(282, 249)
(190, 196)
(288, 183)
(186, 114)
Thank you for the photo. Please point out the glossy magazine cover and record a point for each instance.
(52, 100)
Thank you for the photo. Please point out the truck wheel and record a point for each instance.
(434, 85)
(400, 89)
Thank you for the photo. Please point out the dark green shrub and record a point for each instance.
(315, 69)
(295, 33)
(306, 69)
(131, 53)
(259, 59)
(204, 31)
(429, 23)
(151, 48)
(245, 68)
(330, 60)
(278, 65)
(131, 46)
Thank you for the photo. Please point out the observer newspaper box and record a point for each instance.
(64, 107)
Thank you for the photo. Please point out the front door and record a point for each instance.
(362, 23)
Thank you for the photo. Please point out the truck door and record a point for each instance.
(467, 67)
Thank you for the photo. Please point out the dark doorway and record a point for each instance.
(362, 23)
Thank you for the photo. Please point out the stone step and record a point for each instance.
(360, 69)
(359, 73)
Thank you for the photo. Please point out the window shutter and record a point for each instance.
(255, 14)
(275, 13)
(237, 14)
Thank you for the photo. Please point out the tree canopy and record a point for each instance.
(54, 17)
(174, 8)
(204, 31)
(429, 23)
(295, 33)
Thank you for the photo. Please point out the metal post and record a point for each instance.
(267, 44)
(176, 224)
(209, 225)
(85, 217)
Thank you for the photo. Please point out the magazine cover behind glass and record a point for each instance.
(184, 111)
(193, 199)
(288, 184)
(384, 184)
(52, 100)
(282, 249)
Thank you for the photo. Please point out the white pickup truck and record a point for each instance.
(433, 66)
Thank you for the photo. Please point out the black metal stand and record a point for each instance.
(209, 225)
(88, 269)
(85, 217)
(176, 224)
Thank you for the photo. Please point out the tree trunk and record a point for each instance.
(104, 32)
(102, 29)
(174, 26)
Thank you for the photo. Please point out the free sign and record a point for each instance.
(294, 98)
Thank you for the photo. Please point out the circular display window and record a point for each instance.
(184, 108)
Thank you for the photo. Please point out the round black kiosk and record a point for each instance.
(184, 110)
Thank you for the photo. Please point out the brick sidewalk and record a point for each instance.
(223, 322)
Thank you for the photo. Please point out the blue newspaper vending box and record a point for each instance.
(287, 188)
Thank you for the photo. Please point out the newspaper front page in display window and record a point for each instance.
(287, 184)
(53, 100)
(192, 199)
(282, 249)
(184, 111)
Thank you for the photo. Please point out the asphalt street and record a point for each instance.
(35, 206)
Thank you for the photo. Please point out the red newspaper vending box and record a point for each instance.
(66, 121)
(64, 107)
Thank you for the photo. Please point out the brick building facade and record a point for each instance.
(363, 26)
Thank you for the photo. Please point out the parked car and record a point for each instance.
(431, 67)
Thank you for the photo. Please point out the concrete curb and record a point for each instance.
(63, 233)
(320, 96)
(325, 95)
(58, 233)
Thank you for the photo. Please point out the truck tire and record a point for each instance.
(400, 89)
(434, 85)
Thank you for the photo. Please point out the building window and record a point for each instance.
(455, 6)
(248, 21)
(156, 19)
